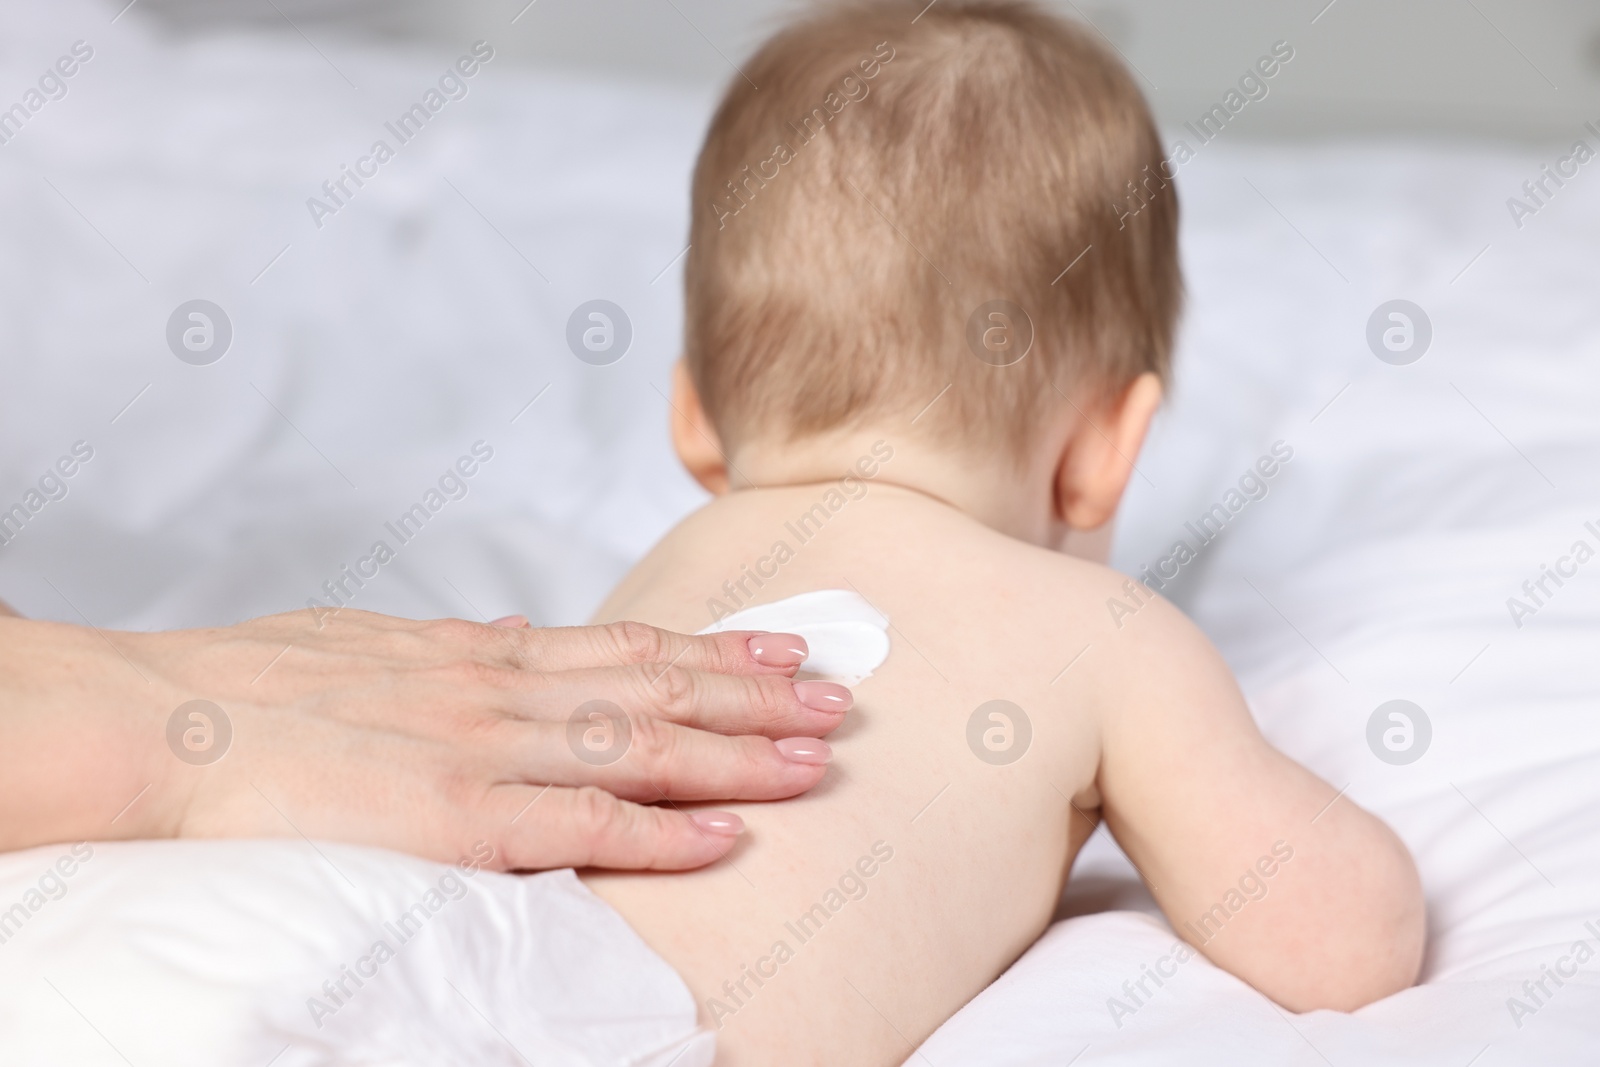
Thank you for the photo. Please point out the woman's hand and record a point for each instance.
(447, 739)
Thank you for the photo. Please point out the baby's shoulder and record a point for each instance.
(1106, 604)
(1010, 603)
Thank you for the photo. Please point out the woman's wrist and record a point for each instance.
(81, 737)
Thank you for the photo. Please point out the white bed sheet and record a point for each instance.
(427, 315)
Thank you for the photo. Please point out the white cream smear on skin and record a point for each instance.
(848, 638)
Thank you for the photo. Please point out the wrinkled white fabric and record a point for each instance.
(236, 952)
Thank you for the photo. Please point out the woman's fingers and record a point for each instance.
(648, 760)
(559, 827)
(767, 705)
(620, 644)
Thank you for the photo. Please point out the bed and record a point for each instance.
(372, 346)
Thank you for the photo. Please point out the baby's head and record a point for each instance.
(954, 231)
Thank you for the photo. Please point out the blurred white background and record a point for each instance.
(1513, 68)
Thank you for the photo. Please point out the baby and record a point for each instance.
(930, 305)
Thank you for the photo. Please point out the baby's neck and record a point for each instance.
(997, 490)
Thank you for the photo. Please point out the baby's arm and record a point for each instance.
(1310, 899)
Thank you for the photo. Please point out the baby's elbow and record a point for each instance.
(1399, 934)
(1379, 951)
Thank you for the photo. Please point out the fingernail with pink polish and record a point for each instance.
(718, 822)
(514, 622)
(824, 696)
(779, 650)
(804, 750)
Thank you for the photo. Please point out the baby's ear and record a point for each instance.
(693, 436)
(1100, 452)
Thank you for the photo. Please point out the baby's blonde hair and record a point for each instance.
(872, 183)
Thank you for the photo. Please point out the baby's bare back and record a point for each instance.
(852, 921)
